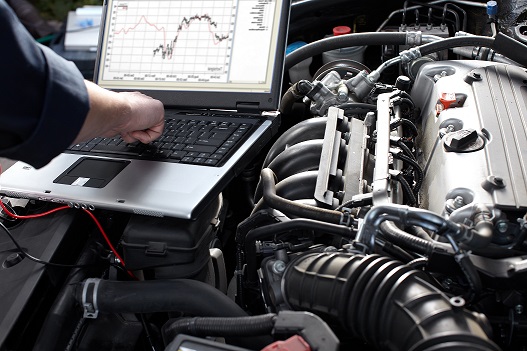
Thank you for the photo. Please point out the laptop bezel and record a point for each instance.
(263, 101)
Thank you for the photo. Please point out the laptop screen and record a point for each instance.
(231, 48)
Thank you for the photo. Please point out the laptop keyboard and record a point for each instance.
(205, 141)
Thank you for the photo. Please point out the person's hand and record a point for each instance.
(145, 120)
(132, 115)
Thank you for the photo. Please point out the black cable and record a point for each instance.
(37, 260)
(412, 200)
(419, 174)
(406, 123)
(401, 144)
(146, 328)
(368, 201)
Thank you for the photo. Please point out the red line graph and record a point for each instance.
(167, 49)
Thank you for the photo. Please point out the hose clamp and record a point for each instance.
(414, 38)
(410, 55)
(89, 298)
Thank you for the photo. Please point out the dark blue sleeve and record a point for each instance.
(43, 99)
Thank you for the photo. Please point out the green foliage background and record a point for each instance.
(58, 9)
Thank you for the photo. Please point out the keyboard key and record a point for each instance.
(122, 149)
(76, 147)
(178, 155)
(220, 136)
(211, 162)
(199, 160)
(200, 148)
(228, 144)
(210, 142)
(222, 150)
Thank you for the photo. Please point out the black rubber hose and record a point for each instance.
(187, 296)
(289, 207)
(399, 237)
(384, 302)
(272, 230)
(420, 233)
(219, 326)
(313, 128)
(453, 42)
(59, 321)
(295, 92)
(343, 41)
(171, 295)
(408, 216)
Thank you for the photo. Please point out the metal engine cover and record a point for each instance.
(491, 99)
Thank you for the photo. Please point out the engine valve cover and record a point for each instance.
(483, 137)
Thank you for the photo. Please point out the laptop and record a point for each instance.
(217, 63)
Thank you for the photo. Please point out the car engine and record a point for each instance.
(390, 213)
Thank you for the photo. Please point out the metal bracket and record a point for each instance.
(329, 156)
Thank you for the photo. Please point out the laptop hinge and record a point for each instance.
(248, 107)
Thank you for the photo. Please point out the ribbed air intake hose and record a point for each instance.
(384, 302)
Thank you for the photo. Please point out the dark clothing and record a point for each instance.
(43, 99)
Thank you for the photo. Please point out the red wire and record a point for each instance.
(34, 215)
(97, 223)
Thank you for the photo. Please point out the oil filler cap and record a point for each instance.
(464, 140)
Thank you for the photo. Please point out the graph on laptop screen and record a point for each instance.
(203, 45)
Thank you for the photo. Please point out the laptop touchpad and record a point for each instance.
(91, 172)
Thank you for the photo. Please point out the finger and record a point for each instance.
(145, 136)
(128, 138)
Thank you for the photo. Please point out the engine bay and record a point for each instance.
(389, 213)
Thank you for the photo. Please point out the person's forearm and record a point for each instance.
(107, 110)
(132, 115)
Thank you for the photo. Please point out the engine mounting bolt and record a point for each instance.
(518, 309)
(492, 183)
(502, 226)
(457, 301)
(278, 267)
(459, 202)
